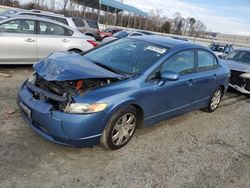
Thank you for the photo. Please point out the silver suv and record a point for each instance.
(88, 27)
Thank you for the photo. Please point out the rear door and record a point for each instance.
(18, 42)
(206, 76)
(51, 38)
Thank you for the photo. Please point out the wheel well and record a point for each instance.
(140, 113)
(223, 88)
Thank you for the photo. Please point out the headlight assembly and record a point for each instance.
(82, 108)
(245, 75)
(32, 78)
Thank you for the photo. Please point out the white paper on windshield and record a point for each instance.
(156, 49)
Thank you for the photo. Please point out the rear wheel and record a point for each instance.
(214, 101)
(120, 128)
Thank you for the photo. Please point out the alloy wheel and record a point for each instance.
(215, 99)
(123, 129)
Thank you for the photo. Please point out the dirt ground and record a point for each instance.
(198, 149)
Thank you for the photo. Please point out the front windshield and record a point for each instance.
(242, 56)
(127, 56)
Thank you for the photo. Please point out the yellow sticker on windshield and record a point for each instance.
(156, 49)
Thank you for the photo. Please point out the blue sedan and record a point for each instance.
(104, 95)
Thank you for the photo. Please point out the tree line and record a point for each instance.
(156, 21)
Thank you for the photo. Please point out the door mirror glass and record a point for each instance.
(169, 76)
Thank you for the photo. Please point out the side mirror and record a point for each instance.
(169, 76)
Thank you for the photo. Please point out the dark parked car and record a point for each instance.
(239, 63)
(104, 95)
(221, 49)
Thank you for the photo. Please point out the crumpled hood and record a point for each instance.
(62, 66)
(237, 66)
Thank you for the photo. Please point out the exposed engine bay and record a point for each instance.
(240, 81)
(59, 93)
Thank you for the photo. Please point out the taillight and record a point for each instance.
(92, 42)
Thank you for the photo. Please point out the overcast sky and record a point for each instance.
(224, 16)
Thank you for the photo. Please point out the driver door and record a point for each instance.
(174, 97)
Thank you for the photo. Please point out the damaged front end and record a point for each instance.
(240, 81)
(61, 76)
(56, 100)
(60, 94)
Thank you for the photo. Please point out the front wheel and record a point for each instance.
(120, 128)
(214, 101)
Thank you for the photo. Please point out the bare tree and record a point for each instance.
(52, 4)
(199, 28)
(65, 3)
(166, 27)
(177, 23)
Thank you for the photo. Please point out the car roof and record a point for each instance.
(43, 13)
(31, 17)
(166, 41)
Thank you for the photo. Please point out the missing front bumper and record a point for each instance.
(240, 89)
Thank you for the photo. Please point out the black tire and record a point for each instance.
(108, 134)
(248, 95)
(210, 107)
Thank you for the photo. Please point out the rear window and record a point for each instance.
(93, 24)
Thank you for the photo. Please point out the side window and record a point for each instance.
(78, 22)
(206, 61)
(18, 26)
(47, 28)
(69, 32)
(181, 63)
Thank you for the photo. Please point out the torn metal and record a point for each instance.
(61, 76)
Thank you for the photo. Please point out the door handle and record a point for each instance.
(30, 40)
(190, 82)
(65, 40)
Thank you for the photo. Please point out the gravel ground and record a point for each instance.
(197, 149)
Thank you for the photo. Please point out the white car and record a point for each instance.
(26, 39)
